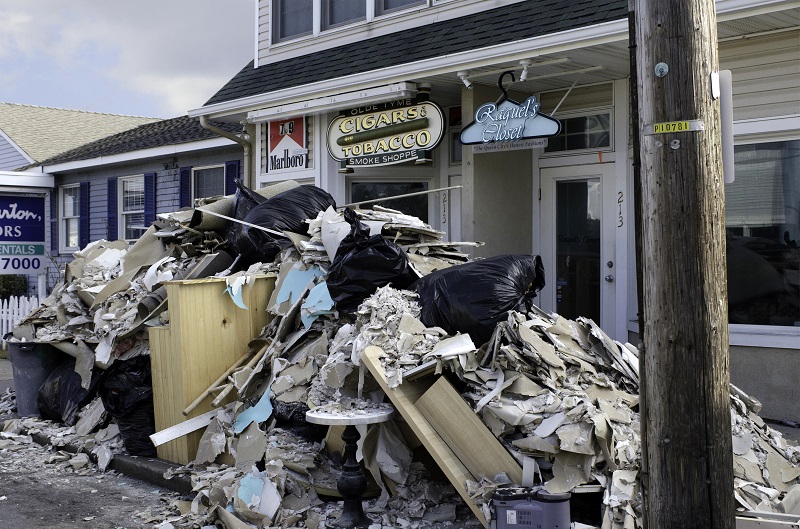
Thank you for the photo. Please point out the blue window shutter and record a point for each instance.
(231, 173)
(112, 230)
(186, 187)
(83, 223)
(149, 198)
(54, 220)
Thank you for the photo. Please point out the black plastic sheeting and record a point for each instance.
(474, 297)
(244, 200)
(287, 211)
(61, 396)
(126, 390)
(291, 416)
(363, 263)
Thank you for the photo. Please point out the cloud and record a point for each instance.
(169, 56)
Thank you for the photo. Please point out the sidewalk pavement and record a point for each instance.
(148, 469)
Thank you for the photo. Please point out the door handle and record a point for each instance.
(609, 278)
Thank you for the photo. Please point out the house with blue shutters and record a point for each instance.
(114, 187)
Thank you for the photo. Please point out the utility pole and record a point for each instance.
(687, 474)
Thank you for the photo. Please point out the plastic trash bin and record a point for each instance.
(31, 364)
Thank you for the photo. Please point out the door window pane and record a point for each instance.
(292, 18)
(578, 249)
(343, 11)
(762, 218)
(416, 206)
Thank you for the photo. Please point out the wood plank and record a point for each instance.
(403, 398)
(208, 333)
(469, 439)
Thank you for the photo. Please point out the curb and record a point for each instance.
(148, 469)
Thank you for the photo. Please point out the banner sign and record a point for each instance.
(386, 134)
(509, 121)
(287, 149)
(22, 234)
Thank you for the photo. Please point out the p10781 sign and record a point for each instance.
(22, 234)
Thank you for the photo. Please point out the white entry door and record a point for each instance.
(577, 242)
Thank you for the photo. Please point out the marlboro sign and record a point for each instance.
(386, 134)
(287, 145)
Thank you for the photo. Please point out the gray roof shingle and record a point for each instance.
(173, 131)
(487, 28)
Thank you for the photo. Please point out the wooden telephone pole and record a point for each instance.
(687, 474)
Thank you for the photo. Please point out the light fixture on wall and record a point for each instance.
(524, 74)
(464, 76)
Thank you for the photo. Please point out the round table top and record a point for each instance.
(336, 414)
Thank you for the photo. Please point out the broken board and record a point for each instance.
(207, 334)
(403, 398)
(469, 439)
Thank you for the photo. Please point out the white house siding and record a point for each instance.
(766, 74)
(10, 157)
(579, 98)
(263, 30)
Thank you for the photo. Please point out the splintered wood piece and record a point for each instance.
(403, 398)
(465, 434)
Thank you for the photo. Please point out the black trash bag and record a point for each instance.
(363, 263)
(286, 211)
(474, 297)
(244, 200)
(61, 396)
(291, 416)
(126, 390)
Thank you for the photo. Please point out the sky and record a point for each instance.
(153, 58)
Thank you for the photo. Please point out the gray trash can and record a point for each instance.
(31, 364)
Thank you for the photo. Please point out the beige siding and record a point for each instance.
(581, 97)
(310, 121)
(263, 147)
(766, 74)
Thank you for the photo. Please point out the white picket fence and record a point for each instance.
(12, 310)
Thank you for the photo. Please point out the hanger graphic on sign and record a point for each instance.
(506, 120)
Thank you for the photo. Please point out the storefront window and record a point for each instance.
(132, 207)
(763, 233)
(583, 132)
(292, 18)
(416, 205)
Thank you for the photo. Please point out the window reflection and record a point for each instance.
(763, 232)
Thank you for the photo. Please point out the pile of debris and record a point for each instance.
(354, 321)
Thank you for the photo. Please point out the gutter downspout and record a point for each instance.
(241, 141)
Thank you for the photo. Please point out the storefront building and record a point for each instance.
(566, 196)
